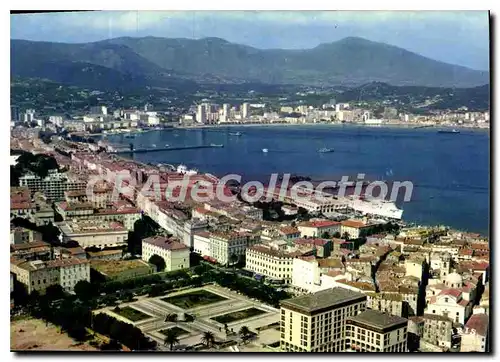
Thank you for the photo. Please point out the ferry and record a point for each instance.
(376, 207)
(265, 150)
(216, 145)
(235, 134)
(153, 145)
(325, 150)
(184, 170)
(453, 131)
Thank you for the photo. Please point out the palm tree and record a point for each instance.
(171, 339)
(208, 339)
(245, 333)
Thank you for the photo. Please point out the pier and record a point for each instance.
(158, 149)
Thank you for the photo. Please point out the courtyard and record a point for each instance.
(194, 299)
(238, 315)
(212, 307)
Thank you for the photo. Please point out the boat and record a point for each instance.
(153, 145)
(376, 207)
(265, 150)
(129, 136)
(167, 145)
(325, 150)
(216, 145)
(235, 133)
(453, 131)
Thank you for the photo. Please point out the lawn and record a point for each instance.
(194, 299)
(131, 314)
(178, 331)
(236, 316)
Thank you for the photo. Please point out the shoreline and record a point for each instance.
(406, 223)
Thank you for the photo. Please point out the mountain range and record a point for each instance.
(153, 61)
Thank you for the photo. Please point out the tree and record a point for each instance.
(84, 290)
(158, 261)
(208, 339)
(233, 259)
(245, 333)
(171, 339)
(336, 235)
(171, 317)
(54, 292)
(325, 235)
(345, 236)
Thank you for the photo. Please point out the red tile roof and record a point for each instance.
(451, 292)
(479, 322)
(353, 224)
(165, 243)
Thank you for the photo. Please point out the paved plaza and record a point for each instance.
(266, 325)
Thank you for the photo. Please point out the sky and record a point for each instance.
(457, 37)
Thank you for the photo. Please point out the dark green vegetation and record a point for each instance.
(74, 316)
(194, 299)
(131, 314)
(73, 312)
(124, 62)
(418, 99)
(27, 162)
(125, 333)
(239, 315)
(177, 330)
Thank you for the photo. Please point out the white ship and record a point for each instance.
(184, 170)
(376, 207)
(265, 150)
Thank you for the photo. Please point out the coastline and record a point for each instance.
(386, 125)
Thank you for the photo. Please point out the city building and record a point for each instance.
(53, 185)
(35, 250)
(99, 110)
(29, 115)
(270, 262)
(38, 275)
(229, 248)
(475, 336)
(14, 113)
(355, 229)
(317, 229)
(201, 114)
(374, 331)
(245, 110)
(174, 253)
(19, 235)
(89, 233)
(437, 331)
(316, 322)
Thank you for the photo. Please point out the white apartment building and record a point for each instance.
(475, 334)
(174, 253)
(308, 278)
(270, 262)
(38, 275)
(94, 233)
(315, 229)
(316, 322)
(201, 243)
(374, 331)
(229, 247)
(354, 229)
(53, 186)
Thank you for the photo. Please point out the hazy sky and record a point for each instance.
(458, 37)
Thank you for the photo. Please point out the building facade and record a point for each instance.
(374, 331)
(316, 322)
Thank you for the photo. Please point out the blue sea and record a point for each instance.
(450, 172)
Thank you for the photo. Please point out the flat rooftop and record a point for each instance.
(378, 320)
(323, 300)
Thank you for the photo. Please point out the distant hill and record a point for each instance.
(475, 98)
(160, 61)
